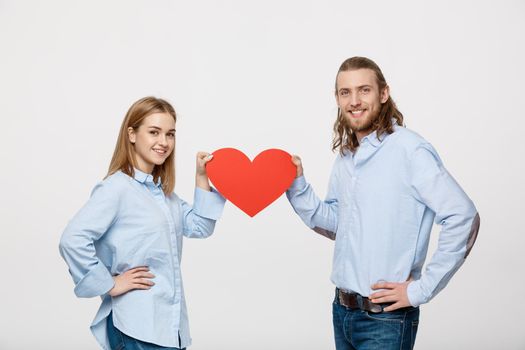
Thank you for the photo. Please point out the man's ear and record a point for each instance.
(337, 98)
(385, 94)
(131, 135)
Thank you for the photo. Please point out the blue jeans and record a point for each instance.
(121, 341)
(355, 329)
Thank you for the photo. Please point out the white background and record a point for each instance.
(255, 75)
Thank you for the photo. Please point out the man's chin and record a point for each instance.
(361, 127)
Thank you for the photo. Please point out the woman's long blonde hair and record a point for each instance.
(124, 154)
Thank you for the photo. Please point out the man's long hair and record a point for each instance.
(344, 137)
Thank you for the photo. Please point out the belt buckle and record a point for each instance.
(368, 305)
(375, 308)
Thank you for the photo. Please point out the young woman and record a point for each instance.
(125, 244)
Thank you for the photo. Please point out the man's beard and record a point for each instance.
(364, 125)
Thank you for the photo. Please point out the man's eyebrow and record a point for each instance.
(357, 87)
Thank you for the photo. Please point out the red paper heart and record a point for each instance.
(251, 186)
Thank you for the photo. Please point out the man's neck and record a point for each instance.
(363, 133)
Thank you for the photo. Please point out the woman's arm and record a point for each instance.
(199, 219)
(77, 247)
(77, 244)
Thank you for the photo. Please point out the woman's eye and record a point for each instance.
(154, 132)
(171, 134)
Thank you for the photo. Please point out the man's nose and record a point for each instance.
(355, 100)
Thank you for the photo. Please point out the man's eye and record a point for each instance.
(365, 90)
(344, 93)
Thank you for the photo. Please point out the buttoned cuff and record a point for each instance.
(298, 184)
(415, 294)
(208, 204)
(97, 281)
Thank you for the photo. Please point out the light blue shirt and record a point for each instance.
(380, 206)
(126, 223)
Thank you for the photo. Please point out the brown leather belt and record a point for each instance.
(357, 301)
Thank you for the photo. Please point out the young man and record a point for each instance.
(387, 187)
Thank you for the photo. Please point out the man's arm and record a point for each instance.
(459, 221)
(456, 214)
(320, 216)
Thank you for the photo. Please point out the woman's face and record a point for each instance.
(153, 140)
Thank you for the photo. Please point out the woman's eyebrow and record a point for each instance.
(158, 128)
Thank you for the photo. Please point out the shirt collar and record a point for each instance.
(376, 141)
(145, 178)
(373, 139)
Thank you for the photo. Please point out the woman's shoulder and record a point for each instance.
(173, 197)
(113, 184)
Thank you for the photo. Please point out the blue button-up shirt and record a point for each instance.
(381, 203)
(129, 222)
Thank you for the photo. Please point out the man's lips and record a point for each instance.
(357, 112)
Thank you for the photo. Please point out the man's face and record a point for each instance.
(359, 99)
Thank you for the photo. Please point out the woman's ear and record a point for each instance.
(131, 135)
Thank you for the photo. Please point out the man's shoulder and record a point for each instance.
(407, 138)
(340, 156)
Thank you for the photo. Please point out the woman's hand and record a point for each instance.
(296, 160)
(201, 177)
(135, 278)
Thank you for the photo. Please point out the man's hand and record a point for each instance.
(297, 162)
(135, 278)
(393, 293)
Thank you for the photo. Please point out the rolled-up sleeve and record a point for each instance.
(455, 212)
(199, 219)
(77, 247)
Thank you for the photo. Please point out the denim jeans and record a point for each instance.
(355, 329)
(121, 341)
